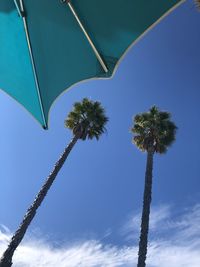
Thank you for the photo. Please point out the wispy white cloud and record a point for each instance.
(178, 246)
(89, 253)
(189, 225)
(159, 219)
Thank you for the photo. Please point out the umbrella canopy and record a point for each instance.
(47, 46)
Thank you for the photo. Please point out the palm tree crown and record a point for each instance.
(87, 119)
(154, 130)
(197, 2)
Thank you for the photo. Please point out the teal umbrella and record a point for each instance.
(46, 46)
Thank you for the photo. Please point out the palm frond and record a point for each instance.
(197, 2)
(153, 129)
(88, 119)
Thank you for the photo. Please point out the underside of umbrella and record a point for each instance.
(48, 46)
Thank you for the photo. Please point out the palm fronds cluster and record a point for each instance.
(87, 119)
(154, 130)
(197, 3)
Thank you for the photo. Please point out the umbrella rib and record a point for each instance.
(18, 8)
(22, 12)
(101, 61)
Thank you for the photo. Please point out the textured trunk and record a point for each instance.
(142, 254)
(6, 260)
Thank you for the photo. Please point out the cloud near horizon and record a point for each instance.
(178, 246)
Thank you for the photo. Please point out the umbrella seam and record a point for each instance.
(18, 8)
(33, 64)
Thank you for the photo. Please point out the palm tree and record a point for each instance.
(197, 2)
(153, 133)
(86, 120)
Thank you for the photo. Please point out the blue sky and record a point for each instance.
(92, 212)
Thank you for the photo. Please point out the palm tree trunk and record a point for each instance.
(6, 260)
(142, 253)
